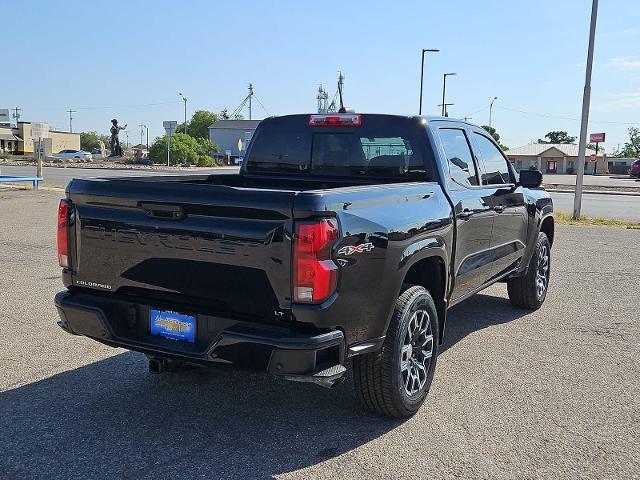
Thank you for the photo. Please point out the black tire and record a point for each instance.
(524, 291)
(380, 383)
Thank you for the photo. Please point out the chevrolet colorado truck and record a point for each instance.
(343, 238)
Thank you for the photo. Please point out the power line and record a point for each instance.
(246, 100)
(478, 111)
(260, 103)
(240, 107)
(559, 117)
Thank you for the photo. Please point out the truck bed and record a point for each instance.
(208, 240)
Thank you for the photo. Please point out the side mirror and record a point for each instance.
(530, 178)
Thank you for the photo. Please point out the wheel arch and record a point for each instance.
(548, 228)
(430, 273)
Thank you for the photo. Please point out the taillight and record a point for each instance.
(314, 274)
(64, 211)
(333, 120)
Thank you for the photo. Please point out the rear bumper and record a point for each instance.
(308, 356)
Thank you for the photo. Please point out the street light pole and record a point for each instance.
(185, 111)
(491, 109)
(424, 50)
(586, 101)
(444, 89)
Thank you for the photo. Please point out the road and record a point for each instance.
(60, 177)
(517, 395)
(619, 207)
(588, 180)
(609, 206)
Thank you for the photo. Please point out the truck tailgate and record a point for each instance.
(223, 247)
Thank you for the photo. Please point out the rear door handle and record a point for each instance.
(498, 208)
(465, 214)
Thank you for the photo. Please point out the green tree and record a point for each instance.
(632, 147)
(185, 150)
(558, 136)
(91, 140)
(495, 135)
(198, 126)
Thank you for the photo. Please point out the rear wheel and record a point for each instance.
(530, 290)
(395, 380)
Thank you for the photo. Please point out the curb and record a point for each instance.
(21, 186)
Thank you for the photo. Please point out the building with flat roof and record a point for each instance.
(17, 140)
(552, 158)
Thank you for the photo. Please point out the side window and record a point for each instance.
(459, 156)
(496, 170)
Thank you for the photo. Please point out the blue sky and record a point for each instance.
(531, 55)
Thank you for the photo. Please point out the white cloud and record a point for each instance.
(625, 63)
(617, 101)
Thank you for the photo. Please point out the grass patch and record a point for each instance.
(565, 218)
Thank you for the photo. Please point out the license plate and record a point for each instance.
(173, 325)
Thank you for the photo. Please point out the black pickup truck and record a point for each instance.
(343, 236)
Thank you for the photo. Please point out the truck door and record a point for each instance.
(507, 201)
(473, 213)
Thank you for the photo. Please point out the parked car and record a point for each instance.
(73, 154)
(634, 171)
(96, 154)
(345, 237)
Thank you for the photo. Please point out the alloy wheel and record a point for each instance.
(416, 353)
(542, 272)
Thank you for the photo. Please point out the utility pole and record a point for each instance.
(16, 114)
(70, 112)
(424, 50)
(444, 106)
(491, 109)
(141, 133)
(185, 111)
(444, 89)
(250, 95)
(147, 138)
(586, 101)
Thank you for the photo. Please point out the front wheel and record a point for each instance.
(395, 380)
(530, 290)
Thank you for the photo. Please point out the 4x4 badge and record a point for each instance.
(351, 249)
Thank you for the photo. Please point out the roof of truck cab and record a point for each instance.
(427, 118)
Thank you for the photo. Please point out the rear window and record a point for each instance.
(383, 146)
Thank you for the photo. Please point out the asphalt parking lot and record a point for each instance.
(517, 395)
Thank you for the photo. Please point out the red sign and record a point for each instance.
(593, 157)
(596, 138)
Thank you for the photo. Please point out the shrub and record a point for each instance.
(185, 150)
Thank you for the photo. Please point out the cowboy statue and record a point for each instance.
(116, 149)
